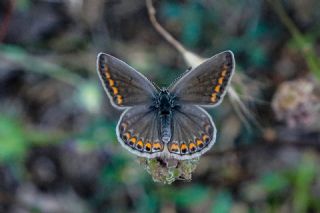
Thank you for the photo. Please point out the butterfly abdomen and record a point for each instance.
(165, 127)
(165, 114)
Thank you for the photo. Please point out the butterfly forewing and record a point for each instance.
(123, 84)
(207, 83)
(137, 131)
(193, 132)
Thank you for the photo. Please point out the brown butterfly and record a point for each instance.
(168, 122)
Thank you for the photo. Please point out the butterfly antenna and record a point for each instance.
(156, 86)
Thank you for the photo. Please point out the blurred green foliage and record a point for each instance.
(12, 136)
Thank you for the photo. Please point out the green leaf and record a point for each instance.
(12, 139)
(302, 186)
(274, 182)
(192, 195)
(222, 202)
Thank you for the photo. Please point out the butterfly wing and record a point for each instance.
(206, 84)
(124, 85)
(137, 131)
(193, 132)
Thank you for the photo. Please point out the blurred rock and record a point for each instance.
(44, 168)
(39, 99)
(89, 11)
(29, 199)
(41, 21)
(304, 11)
(82, 168)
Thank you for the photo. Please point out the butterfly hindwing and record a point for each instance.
(123, 84)
(193, 132)
(137, 131)
(207, 83)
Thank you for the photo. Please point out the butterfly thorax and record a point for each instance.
(164, 105)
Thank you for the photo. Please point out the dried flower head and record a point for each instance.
(296, 103)
(167, 170)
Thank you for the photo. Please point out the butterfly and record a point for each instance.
(168, 122)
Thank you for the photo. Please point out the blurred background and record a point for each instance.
(58, 148)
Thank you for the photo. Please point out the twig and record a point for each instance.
(190, 58)
(161, 30)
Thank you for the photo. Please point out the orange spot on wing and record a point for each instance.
(184, 148)
(199, 143)
(224, 72)
(205, 138)
(140, 144)
(111, 82)
(174, 147)
(119, 99)
(217, 88)
(156, 146)
(126, 136)
(132, 141)
(192, 147)
(115, 90)
(106, 71)
(220, 81)
(213, 97)
(148, 147)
